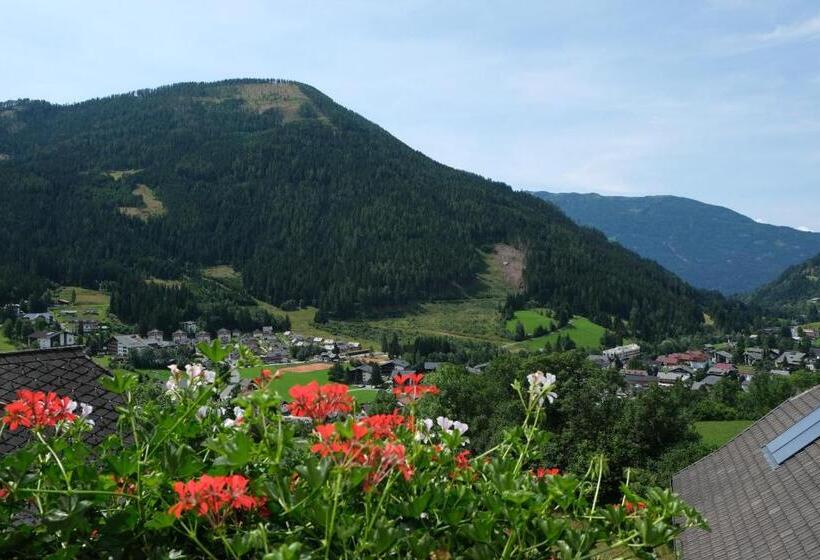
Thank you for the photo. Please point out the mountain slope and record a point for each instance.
(796, 286)
(311, 202)
(709, 246)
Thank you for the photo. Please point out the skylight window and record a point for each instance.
(802, 434)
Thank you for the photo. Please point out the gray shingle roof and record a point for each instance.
(756, 511)
(66, 371)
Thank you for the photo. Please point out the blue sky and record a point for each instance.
(716, 100)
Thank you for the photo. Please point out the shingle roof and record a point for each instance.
(66, 371)
(755, 511)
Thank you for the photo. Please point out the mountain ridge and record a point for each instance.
(310, 201)
(710, 246)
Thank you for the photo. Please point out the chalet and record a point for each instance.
(224, 336)
(47, 317)
(791, 360)
(693, 358)
(179, 337)
(780, 372)
(722, 368)
(267, 329)
(623, 353)
(189, 327)
(668, 378)
(759, 491)
(723, 357)
(637, 380)
(67, 371)
(50, 339)
(122, 344)
(753, 355)
(85, 326)
(203, 336)
(708, 382)
(154, 335)
(236, 334)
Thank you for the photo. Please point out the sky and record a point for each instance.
(716, 100)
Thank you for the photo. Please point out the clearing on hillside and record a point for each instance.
(531, 319)
(118, 174)
(511, 261)
(152, 206)
(287, 98)
(583, 332)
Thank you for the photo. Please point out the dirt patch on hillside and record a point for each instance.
(152, 206)
(511, 262)
(304, 368)
(285, 97)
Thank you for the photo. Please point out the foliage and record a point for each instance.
(180, 478)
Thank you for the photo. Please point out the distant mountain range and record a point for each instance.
(709, 246)
(312, 203)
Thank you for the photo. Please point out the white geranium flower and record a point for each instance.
(444, 423)
(541, 385)
(461, 427)
(202, 412)
(85, 409)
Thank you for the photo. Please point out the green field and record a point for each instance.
(5, 344)
(289, 379)
(718, 432)
(531, 319)
(90, 304)
(583, 332)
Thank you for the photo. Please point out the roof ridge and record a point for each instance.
(746, 429)
(73, 347)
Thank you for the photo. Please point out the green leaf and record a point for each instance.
(160, 520)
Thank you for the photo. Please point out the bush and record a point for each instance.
(183, 477)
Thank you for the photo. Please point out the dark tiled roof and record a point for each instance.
(66, 371)
(756, 511)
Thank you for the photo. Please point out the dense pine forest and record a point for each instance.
(311, 202)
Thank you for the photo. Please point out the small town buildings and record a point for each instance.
(722, 368)
(155, 335)
(189, 327)
(638, 379)
(203, 336)
(623, 353)
(753, 355)
(668, 378)
(122, 344)
(50, 339)
(759, 492)
(723, 357)
(267, 329)
(236, 334)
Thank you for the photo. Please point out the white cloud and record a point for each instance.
(807, 29)
(805, 228)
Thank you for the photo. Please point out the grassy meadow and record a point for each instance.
(531, 319)
(583, 332)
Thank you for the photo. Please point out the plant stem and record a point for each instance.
(56, 458)
(598, 485)
(330, 526)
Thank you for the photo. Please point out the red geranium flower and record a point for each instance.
(407, 387)
(37, 409)
(542, 472)
(463, 459)
(632, 508)
(319, 402)
(214, 497)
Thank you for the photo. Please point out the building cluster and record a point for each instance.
(702, 368)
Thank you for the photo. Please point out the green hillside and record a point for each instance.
(311, 203)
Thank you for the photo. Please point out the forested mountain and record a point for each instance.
(709, 246)
(310, 201)
(796, 287)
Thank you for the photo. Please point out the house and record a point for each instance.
(759, 492)
(780, 372)
(66, 371)
(709, 381)
(47, 317)
(267, 329)
(203, 336)
(154, 335)
(668, 378)
(50, 339)
(478, 368)
(791, 360)
(723, 357)
(179, 337)
(431, 366)
(623, 353)
(224, 336)
(236, 333)
(85, 326)
(753, 355)
(189, 327)
(637, 380)
(722, 368)
(122, 344)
